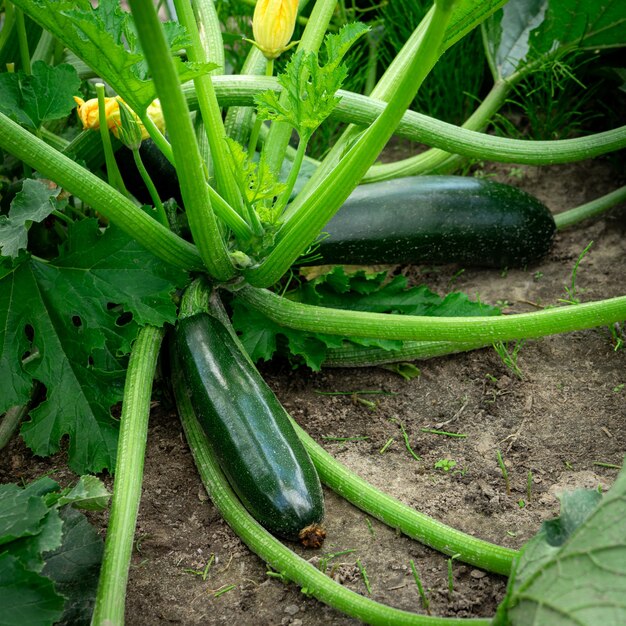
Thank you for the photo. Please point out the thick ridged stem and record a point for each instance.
(358, 109)
(88, 187)
(209, 109)
(358, 356)
(389, 510)
(298, 232)
(272, 551)
(131, 448)
(412, 523)
(10, 422)
(189, 165)
(417, 328)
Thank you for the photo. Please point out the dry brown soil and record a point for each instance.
(559, 421)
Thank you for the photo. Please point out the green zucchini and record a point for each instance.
(437, 220)
(249, 431)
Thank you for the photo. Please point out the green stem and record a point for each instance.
(209, 108)
(45, 48)
(110, 599)
(590, 209)
(158, 137)
(282, 201)
(210, 33)
(357, 356)
(258, 122)
(113, 172)
(363, 110)
(11, 421)
(430, 160)
(8, 25)
(101, 197)
(271, 550)
(308, 219)
(420, 328)
(22, 38)
(161, 216)
(239, 119)
(190, 167)
(312, 37)
(385, 508)
(412, 523)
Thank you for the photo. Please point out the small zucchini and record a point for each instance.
(250, 432)
(437, 220)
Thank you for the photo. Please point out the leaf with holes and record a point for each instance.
(69, 324)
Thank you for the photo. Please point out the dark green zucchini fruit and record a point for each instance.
(250, 432)
(437, 220)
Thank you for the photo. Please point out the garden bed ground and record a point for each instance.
(565, 416)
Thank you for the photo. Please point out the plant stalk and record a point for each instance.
(110, 598)
(420, 328)
(189, 164)
(590, 209)
(363, 110)
(209, 108)
(272, 551)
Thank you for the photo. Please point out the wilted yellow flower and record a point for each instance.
(273, 24)
(88, 115)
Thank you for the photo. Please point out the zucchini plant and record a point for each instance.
(89, 274)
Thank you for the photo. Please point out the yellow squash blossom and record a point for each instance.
(273, 24)
(88, 115)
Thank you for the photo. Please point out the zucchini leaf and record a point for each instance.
(34, 203)
(357, 291)
(573, 572)
(75, 319)
(49, 569)
(42, 96)
(526, 30)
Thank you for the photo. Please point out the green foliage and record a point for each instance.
(49, 554)
(359, 291)
(34, 203)
(310, 87)
(574, 570)
(257, 182)
(104, 37)
(525, 31)
(76, 317)
(44, 95)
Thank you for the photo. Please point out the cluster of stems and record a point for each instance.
(215, 209)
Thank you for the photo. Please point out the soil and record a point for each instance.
(559, 420)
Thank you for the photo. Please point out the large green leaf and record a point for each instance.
(527, 30)
(75, 566)
(573, 573)
(49, 570)
(43, 95)
(77, 317)
(26, 597)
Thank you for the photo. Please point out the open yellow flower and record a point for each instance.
(273, 24)
(88, 115)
